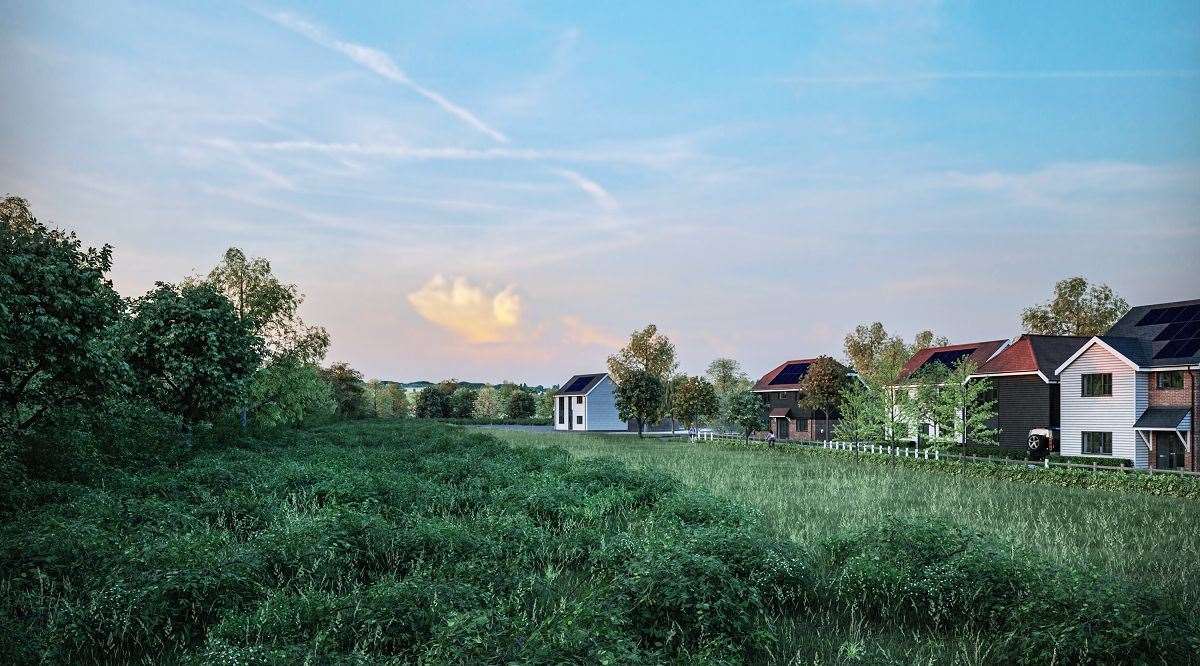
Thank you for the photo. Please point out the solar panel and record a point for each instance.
(579, 383)
(948, 358)
(792, 373)
(1181, 335)
(1170, 331)
(1150, 317)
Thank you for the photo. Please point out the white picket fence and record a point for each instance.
(918, 453)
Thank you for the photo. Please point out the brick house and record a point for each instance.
(1131, 393)
(780, 392)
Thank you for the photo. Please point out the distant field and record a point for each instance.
(1152, 542)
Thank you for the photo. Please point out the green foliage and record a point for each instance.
(746, 412)
(191, 354)
(962, 404)
(431, 403)
(878, 356)
(695, 401)
(520, 405)
(349, 391)
(57, 309)
(822, 385)
(497, 420)
(545, 403)
(641, 397)
(287, 391)
(727, 376)
(462, 402)
(647, 351)
(487, 404)
(1077, 308)
(862, 414)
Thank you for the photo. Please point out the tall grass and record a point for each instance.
(1149, 542)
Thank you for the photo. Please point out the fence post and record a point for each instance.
(1047, 462)
(937, 455)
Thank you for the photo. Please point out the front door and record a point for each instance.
(1168, 450)
(781, 428)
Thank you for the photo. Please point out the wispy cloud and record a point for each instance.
(592, 188)
(394, 151)
(469, 311)
(993, 75)
(382, 64)
(579, 332)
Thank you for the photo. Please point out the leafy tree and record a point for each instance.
(289, 391)
(192, 355)
(862, 417)
(696, 401)
(431, 403)
(640, 397)
(399, 399)
(1076, 309)
(821, 388)
(545, 403)
(56, 313)
(520, 405)
(379, 402)
(746, 412)
(487, 403)
(462, 402)
(964, 407)
(349, 391)
(727, 376)
(648, 351)
(872, 350)
(924, 396)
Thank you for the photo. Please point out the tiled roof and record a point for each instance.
(1034, 353)
(982, 352)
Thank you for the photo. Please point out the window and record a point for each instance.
(1097, 443)
(579, 400)
(562, 410)
(1097, 385)
(782, 395)
(1168, 380)
(802, 424)
(579, 419)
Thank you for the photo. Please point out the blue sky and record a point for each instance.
(502, 190)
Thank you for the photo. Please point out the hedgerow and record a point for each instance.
(411, 541)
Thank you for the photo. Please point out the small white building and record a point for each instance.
(589, 403)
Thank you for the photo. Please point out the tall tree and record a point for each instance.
(862, 417)
(726, 376)
(647, 351)
(821, 388)
(487, 404)
(192, 355)
(746, 412)
(874, 352)
(640, 397)
(289, 391)
(431, 403)
(520, 405)
(57, 309)
(379, 403)
(1077, 308)
(924, 397)
(462, 402)
(695, 401)
(545, 403)
(965, 407)
(399, 397)
(349, 391)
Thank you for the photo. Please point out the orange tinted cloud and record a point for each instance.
(469, 311)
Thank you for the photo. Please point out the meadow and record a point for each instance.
(1146, 541)
(407, 541)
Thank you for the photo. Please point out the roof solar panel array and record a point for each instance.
(1180, 337)
(579, 383)
(792, 373)
(948, 358)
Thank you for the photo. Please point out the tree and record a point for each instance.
(695, 401)
(487, 403)
(520, 405)
(57, 310)
(924, 396)
(647, 351)
(462, 402)
(640, 397)
(379, 403)
(399, 398)
(727, 376)
(1077, 308)
(289, 391)
(822, 386)
(349, 391)
(746, 412)
(862, 417)
(431, 403)
(190, 352)
(965, 407)
(545, 403)
(872, 350)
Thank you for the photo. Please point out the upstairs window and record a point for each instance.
(579, 400)
(1097, 443)
(1168, 380)
(1097, 385)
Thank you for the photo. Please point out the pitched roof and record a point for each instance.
(1159, 335)
(581, 384)
(977, 352)
(1162, 418)
(790, 381)
(1033, 353)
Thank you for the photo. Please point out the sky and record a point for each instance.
(500, 190)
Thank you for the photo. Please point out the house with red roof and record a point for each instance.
(1025, 385)
(782, 396)
(944, 357)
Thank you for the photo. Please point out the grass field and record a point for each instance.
(1150, 542)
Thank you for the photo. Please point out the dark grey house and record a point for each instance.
(1025, 384)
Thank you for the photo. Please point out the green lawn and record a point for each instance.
(1152, 542)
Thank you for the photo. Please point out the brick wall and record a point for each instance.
(1169, 397)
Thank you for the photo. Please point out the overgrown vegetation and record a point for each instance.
(421, 542)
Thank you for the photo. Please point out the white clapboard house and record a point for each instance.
(587, 402)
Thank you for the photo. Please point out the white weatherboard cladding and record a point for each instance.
(1115, 413)
(602, 407)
